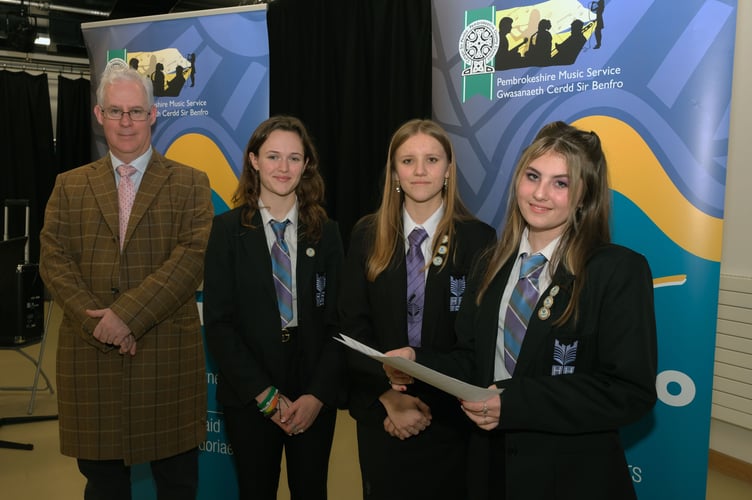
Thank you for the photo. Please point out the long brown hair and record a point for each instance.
(589, 206)
(310, 189)
(388, 218)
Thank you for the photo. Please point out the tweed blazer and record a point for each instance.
(375, 313)
(241, 314)
(112, 406)
(574, 385)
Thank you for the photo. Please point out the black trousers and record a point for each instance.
(257, 445)
(176, 478)
(428, 466)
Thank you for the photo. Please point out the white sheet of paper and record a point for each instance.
(461, 390)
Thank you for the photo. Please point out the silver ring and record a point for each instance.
(485, 409)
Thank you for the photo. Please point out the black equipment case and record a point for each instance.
(21, 289)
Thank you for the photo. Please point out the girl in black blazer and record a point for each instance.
(587, 362)
(280, 370)
(410, 445)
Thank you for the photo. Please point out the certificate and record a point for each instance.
(459, 389)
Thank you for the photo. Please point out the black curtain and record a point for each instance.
(27, 166)
(74, 111)
(353, 71)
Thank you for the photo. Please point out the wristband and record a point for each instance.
(269, 396)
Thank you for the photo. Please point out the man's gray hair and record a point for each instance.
(117, 70)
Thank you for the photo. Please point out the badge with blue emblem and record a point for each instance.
(456, 291)
(564, 357)
(320, 289)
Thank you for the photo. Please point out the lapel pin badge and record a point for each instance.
(310, 252)
(545, 312)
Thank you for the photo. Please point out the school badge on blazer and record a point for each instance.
(564, 357)
(456, 291)
(320, 289)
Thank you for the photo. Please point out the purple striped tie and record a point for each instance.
(416, 284)
(520, 308)
(282, 270)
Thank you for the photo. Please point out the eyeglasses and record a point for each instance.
(137, 115)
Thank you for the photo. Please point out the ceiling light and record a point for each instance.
(42, 39)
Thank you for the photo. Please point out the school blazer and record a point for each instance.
(375, 313)
(241, 315)
(574, 385)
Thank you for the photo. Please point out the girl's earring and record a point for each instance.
(397, 188)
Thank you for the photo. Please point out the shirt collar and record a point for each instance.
(429, 225)
(139, 163)
(292, 215)
(547, 251)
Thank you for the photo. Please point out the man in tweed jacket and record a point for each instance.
(130, 362)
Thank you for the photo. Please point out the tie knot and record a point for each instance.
(417, 236)
(126, 170)
(532, 264)
(279, 228)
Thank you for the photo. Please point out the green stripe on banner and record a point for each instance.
(117, 54)
(481, 84)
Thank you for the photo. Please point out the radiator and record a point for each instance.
(732, 379)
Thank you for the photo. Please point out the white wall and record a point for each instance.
(737, 241)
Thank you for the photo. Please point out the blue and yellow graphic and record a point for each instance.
(654, 81)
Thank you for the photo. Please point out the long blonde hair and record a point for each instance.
(589, 206)
(388, 218)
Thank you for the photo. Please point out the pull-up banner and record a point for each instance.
(653, 79)
(210, 71)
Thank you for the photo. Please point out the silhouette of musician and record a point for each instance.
(192, 59)
(176, 84)
(505, 57)
(598, 7)
(539, 53)
(158, 79)
(568, 50)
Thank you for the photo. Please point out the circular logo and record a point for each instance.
(479, 42)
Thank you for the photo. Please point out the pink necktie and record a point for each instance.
(126, 195)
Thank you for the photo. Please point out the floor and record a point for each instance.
(43, 474)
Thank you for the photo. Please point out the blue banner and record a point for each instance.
(210, 71)
(653, 79)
